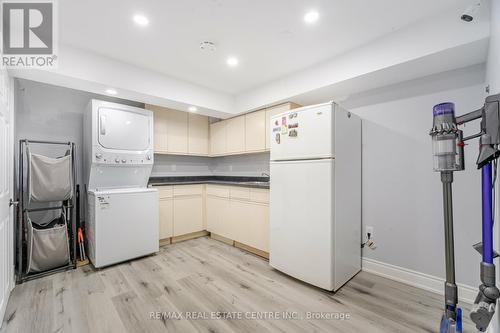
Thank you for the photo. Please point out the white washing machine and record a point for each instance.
(122, 212)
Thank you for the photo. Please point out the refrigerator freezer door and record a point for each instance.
(305, 133)
(123, 225)
(301, 220)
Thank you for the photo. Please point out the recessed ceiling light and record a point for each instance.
(192, 109)
(311, 16)
(232, 61)
(111, 91)
(141, 20)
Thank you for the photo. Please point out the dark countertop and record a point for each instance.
(254, 182)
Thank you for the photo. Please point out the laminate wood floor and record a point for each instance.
(203, 285)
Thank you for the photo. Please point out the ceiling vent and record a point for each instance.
(207, 46)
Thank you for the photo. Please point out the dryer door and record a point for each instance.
(123, 129)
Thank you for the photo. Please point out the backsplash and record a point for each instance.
(178, 165)
(237, 165)
(241, 165)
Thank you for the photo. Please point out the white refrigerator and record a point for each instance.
(315, 204)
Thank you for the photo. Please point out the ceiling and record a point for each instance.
(269, 37)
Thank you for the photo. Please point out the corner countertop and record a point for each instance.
(254, 182)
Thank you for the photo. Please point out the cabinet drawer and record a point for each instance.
(259, 195)
(218, 191)
(242, 193)
(165, 191)
(184, 190)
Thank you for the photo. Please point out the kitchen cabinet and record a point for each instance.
(218, 138)
(188, 215)
(272, 111)
(251, 221)
(166, 211)
(177, 132)
(160, 129)
(181, 210)
(255, 131)
(197, 134)
(240, 214)
(218, 220)
(166, 218)
(235, 135)
(188, 209)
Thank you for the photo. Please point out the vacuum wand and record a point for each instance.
(448, 157)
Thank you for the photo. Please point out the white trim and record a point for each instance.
(424, 281)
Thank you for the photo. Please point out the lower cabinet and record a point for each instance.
(218, 220)
(181, 210)
(188, 215)
(238, 214)
(251, 223)
(166, 217)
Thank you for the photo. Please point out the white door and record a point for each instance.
(305, 133)
(301, 220)
(123, 129)
(6, 193)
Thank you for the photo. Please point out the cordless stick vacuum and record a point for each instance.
(448, 150)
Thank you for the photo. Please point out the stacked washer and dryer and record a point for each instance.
(122, 212)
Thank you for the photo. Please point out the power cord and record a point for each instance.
(369, 242)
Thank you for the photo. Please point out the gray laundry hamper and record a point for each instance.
(50, 179)
(46, 221)
(48, 244)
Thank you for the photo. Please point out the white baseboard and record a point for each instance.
(416, 279)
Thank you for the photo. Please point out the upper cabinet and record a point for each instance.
(255, 131)
(197, 134)
(235, 135)
(272, 111)
(218, 138)
(178, 132)
(183, 133)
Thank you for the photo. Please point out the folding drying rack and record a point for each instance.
(21, 225)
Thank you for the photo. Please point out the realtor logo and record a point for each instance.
(28, 34)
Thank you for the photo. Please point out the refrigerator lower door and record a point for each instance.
(301, 220)
(123, 225)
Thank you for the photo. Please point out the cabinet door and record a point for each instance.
(255, 131)
(235, 135)
(218, 138)
(177, 131)
(251, 222)
(160, 128)
(166, 218)
(197, 134)
(188, 215)
(217, 217)
(272, 111)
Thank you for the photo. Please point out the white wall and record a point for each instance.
(493, 79)
(402, 196)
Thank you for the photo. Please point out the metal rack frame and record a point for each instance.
(20, 227)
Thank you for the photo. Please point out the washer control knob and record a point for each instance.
(148, 157)
(117, 160)
(124, 161)
(98, 156)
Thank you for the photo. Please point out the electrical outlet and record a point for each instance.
(369, 230)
